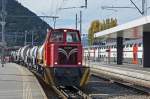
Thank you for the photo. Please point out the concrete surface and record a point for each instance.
(16, 82)
(129, 73)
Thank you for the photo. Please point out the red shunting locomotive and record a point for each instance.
(58, 60)
(62, 58)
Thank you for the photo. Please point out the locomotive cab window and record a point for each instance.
(56, 37)
(72, 37)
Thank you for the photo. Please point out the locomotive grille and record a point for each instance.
(67, 55)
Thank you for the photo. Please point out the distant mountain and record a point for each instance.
(16, 26)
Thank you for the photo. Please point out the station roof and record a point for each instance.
(133, 29)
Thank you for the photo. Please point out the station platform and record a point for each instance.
(135, 74)
(17, 82)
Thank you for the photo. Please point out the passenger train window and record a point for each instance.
(130, 45)
(72, 37)
(56, 37)
(127, 45)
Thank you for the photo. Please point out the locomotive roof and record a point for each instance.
(61, 29)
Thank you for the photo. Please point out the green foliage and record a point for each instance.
(95, 27)
(90, 36)
(108, 23)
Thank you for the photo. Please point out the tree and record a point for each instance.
(114, 22)
(95, 27)
(90, 36)
(108, 23)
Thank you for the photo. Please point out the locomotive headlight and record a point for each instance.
(65, 30)
(55, 63)
(79, 63)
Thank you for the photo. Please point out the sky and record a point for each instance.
(94, 11)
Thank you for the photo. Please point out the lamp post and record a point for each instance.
(3, 23)
(25, 38)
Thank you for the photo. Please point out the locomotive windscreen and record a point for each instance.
(72, 37)
(56, 37)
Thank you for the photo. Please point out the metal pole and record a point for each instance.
(81, 22)
(76, 22)
(85, 3)
(3, 16)
(25, 39)
(54, 19)
(144, 7)
(3, 44)
(32, 38)
(15, 36)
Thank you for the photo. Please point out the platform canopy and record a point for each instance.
(133, 29)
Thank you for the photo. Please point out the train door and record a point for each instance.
(135, 54)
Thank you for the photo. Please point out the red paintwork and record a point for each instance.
(135, 53)
(50, 49)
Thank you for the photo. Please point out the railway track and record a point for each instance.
(139, 89)
(129, 85)
(102, 88)
(116, 88)
(70, 92)
(61, 92)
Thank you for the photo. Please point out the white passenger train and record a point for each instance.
(132, 52)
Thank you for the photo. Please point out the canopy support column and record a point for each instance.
(119, 50)
(146, 49)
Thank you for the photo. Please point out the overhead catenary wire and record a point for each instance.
(75, 7)
(142, 11)
(136, 7)
(54, 5)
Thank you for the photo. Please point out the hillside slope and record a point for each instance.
(16, 27)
